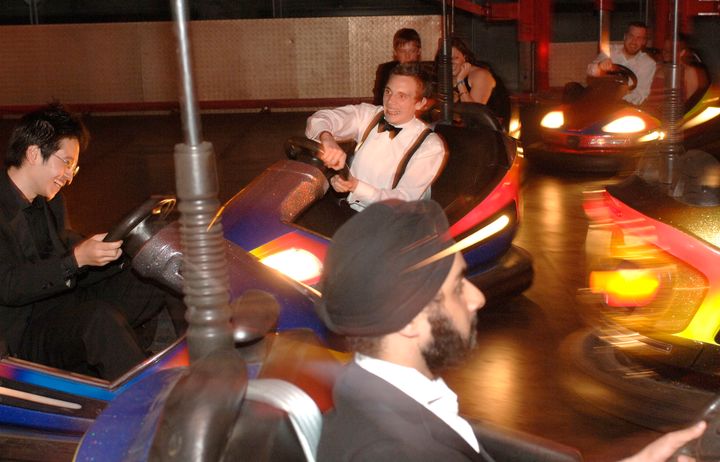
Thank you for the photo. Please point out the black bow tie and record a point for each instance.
(392, 130)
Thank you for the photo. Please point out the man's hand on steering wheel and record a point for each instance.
(665, 448)
(95, 252)
(332, 154)
(606, 65)
(343, 186)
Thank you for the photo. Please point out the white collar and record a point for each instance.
(408, 380)
(433, 394)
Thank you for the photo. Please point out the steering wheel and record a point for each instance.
(307, 151)
(626, 73)
(707, 447)
(160, 206)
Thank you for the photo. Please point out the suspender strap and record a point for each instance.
(402, 166)
(408, 155)
(373, 124)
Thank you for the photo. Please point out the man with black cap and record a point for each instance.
(394, 285)
(397, 155)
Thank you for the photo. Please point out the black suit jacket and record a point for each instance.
(25, 279)
(374, 421)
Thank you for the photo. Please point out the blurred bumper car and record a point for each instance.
(652, 354)
(597, 132)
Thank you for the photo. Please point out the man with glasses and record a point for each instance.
(59, 292)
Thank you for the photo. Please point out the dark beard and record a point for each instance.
(448, 348)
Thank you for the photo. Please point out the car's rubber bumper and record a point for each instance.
(603, 377)
(510, 276)
(544, 156)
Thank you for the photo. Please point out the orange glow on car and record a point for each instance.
(625, 287)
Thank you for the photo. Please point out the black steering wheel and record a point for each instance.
(707, 447)
(626, 74)
(160, 206)
(306, 150)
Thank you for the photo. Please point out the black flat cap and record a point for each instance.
(373, 283)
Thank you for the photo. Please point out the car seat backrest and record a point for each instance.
(475, 157)
(277, 421)
(475, 115)
(506, 444)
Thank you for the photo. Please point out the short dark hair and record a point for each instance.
(45, 128)
(414, 70)
(368, 346)
(639, 24)
(405, 35)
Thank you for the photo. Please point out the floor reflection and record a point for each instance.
(512, 376)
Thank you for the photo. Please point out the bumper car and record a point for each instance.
(286, 217)
(275, 232)
(45, 411)
(594, 130)
(652, 351)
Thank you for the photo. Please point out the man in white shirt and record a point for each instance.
(385, 165)
(395, 287)
(631, 55)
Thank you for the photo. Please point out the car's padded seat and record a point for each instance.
(476, 160)
(213, 412)
(505, 444)
(277, 421)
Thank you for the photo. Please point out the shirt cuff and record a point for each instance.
(69, 266)
(363, 193)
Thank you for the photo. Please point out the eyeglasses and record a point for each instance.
(69, 166)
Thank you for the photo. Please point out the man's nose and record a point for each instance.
(474, 297)
(68, 175)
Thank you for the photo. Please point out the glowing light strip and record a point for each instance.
(703, 117)
(483, 233)
(38, 399)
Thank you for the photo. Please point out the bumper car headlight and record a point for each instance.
(553, 119)
(299, 264)
(625, 287)
(625, 124)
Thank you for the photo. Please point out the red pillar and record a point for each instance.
(662, 22)
(535, 26)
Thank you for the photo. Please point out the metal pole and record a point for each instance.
(672, 147)
(34, 15)
(604, 7)
(188, 102)
(205, 269)
(445, 85)
(533, 82)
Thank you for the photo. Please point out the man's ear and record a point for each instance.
(421, 104)
(412, 329)
(33, 154)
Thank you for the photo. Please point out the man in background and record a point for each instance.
(406, 49)
(397, 155)
(631, 55)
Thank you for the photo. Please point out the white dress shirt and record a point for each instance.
(434, 395)
(641, 64)
(377, 159)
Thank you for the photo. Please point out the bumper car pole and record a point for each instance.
(604, 9)
(671, 148)
(205, 268)
(445, 85)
